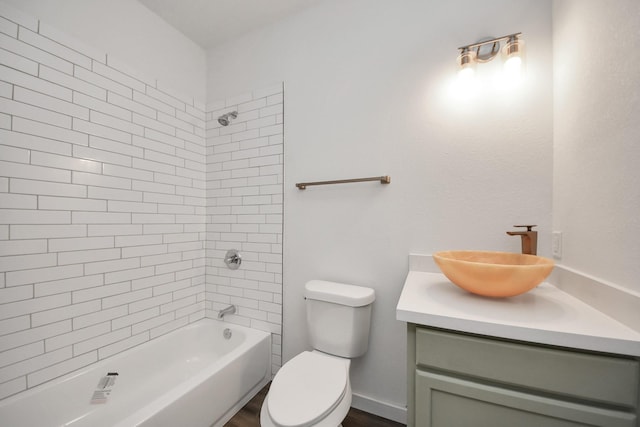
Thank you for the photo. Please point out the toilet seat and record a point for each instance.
(306, 389)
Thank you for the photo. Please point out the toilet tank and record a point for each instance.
(338, 317)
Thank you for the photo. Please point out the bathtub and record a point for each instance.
(190, 377)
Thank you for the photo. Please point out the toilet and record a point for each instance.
(313, 388)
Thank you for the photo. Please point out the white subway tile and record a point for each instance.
(92, 103)
(34, 142)
(19, 78)
(140, 97)
(5, 121)
(163, 124)
(48, 131)
(115, 123)
(152, 280)
(67, 285)
(26, 336)
(101, 155)
(101, 180)
(119, 72)
(13, 387)
(136, 251)
(64, 313)
(80, 257)
(35, 275)
(129, 104)
(45, 101)
(100, 218)
(23, 49)
(148, 303)
(23, 262)
(168, 327)
(99, 317)
(35, 363)
(70, 338)
(178, 122)
(32, 216)
(126, 298)
(101, 131)
(14, 324)
(114, 194)
(111, 266)
(122, 345)
(103, 82)
(46, 202)
(271, 110)
(18, 201)
(65, 162)
(171, 287)
(116, 206)
(18, 62)
(22, 247)
(61, 368)
(34, 305)
(178, 304)
(153, 187)
(162, 228)
(137, 317)
(165, 99)
(133, 274)
(153, 145)
(277, 98)
(16, 293)
(124, 148)
(100, 292)
(70, 82)
(14, 154)
(163, 137)
(101, 341)
(138, 240)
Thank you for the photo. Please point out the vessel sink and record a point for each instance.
(493, 274)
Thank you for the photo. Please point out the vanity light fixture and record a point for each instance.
(486, 50)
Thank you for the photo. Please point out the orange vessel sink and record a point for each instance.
(493, 274)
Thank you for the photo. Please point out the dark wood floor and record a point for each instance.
(249, 416)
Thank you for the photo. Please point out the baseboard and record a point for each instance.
(382, 409)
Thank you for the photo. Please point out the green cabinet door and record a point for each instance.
(446, 401)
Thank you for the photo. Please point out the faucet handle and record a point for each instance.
(529, 227)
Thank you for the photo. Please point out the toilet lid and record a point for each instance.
(306, 389)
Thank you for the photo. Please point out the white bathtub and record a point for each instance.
(190, 377)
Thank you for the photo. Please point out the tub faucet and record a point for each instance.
(529, 239)
(227, 310)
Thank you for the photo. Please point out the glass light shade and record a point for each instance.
(513, 52)
(467, 63)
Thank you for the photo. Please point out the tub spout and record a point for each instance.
(529, 239)
(227, 310)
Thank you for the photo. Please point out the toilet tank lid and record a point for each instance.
(339, 293)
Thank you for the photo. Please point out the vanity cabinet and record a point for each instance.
(465, 380)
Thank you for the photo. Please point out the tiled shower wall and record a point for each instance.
(103, 208)
(245, 210)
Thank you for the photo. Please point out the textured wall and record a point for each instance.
(368, 93)
(102, 197)
(596, 185)
(245, 168)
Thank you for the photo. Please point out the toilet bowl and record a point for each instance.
(313, 389)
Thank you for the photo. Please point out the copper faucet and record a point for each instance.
(529, 239)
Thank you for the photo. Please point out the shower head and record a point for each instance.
(225, 119)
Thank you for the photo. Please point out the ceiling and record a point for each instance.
(211, 22)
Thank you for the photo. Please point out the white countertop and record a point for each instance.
(544, 315)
